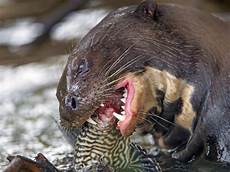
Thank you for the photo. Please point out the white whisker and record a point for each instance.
(120, 58)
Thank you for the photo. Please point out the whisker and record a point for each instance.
(125, 66)
(106, 90)
(103, 88)
(105, 67)
(112, 82)
(123, 55)
(159, 123)
(163, 119)
(154, 121)
(108, 94)
(157, 116)
(142, 118)
(105, 95)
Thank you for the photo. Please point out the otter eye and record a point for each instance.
(83, 67)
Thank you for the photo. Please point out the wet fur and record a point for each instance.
(185, 51)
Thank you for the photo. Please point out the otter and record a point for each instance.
(161, 66)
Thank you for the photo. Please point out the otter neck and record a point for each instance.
(173, 89)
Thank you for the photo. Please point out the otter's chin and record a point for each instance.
(134, 102)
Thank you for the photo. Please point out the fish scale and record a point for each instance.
(107, 146)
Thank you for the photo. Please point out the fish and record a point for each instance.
(105, 146)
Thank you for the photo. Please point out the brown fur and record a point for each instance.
(181, 53)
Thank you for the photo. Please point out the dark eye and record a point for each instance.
(83, 67)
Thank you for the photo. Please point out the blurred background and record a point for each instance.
(35, 40)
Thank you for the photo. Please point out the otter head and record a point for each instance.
(94, 85)
(105, 74)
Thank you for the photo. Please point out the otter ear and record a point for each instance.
(148, 8)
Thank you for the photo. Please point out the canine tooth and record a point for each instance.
(90, 120)
(125, 94)
(123, 100)
(102, 105)
(123, 107)
(123, 112)
(118, 116)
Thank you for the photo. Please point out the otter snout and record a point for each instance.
(71, 102)
(69, 107)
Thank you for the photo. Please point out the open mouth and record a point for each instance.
(111, 111)
(122, 108)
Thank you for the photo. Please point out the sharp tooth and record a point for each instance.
(123, 100)
(123, 107)
(125, 94)
(123, 112)
(90, 120)
(102, 105)
(118, 116)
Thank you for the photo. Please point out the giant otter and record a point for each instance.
(164, 67)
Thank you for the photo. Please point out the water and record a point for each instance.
(29, 108)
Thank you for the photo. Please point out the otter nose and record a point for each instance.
(71, 102)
